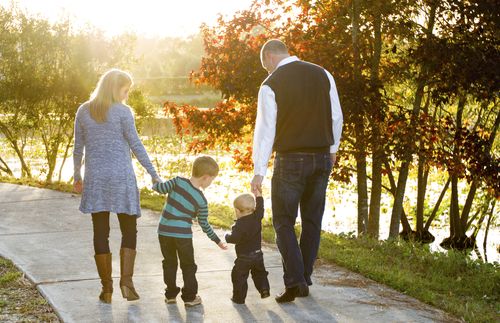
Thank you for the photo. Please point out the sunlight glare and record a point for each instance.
(146, 17)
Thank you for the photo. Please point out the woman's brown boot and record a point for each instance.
(103, 263)
(127, 259)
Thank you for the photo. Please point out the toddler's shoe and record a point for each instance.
(194, 302)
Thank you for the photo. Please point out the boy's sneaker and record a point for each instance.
(170, 300)
(194, 302)
(265, 293)
(236, 301)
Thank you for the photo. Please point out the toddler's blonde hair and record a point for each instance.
(245, 203)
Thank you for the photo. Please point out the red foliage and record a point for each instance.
(216, 128)
(320, 32)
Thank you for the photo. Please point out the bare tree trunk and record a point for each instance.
(403, 172)
(51, 149)
(359, 128)
(456, 228)
(25, 169)
(13, 141)
(51, 164)
(472, 220)
(484, 213)
(436, 206)
(404, 220)
(66, 151)
(362, 188)
(377, 153)
(5, 168)
(485, 243)
(474, 184)
(397, 208)
(422, 177)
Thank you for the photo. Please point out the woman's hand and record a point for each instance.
(78, 186)
(156, 180)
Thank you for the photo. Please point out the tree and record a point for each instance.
(46, 72)
(386, 65)
(463, 66)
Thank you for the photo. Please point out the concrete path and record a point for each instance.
(44, 234)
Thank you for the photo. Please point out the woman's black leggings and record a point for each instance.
(128, 226)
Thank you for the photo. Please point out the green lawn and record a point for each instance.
(466, 288)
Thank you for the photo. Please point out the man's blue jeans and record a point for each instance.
(299, 179)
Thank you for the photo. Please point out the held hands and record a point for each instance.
(256, 184)
(222, 245)
(78, 187)
(257, 192)
(155, 180)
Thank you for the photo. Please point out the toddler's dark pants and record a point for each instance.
(243, 265)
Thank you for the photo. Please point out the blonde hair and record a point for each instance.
(106, 93)
(245, 203)
(205, 165)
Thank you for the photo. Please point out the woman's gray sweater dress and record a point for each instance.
(109, 181)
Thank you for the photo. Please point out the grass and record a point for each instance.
(466, 288)
(19, 299)
(57, 186)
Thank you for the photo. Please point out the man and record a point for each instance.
(299, 116)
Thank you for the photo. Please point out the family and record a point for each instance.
(298, 116)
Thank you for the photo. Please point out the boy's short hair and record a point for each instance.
(205, 165)
(244, 202)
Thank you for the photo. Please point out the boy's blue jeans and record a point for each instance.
(299, 179)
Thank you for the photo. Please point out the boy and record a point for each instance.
(184, 203)
(246, 234)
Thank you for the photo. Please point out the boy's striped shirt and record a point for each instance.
(184, 203)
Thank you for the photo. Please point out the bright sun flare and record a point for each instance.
(148, 17)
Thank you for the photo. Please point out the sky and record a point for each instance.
(179, 18)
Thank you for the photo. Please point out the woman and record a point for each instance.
(105, 127)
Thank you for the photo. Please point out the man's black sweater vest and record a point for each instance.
(304, 119)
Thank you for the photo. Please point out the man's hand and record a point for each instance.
(256, 184)
(222, 245)
(334, 158)
(78, 187)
